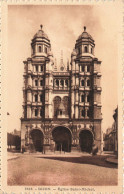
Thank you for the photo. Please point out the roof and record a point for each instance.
(41, 34)
(85, 35)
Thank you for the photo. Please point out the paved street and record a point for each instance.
(64, 170)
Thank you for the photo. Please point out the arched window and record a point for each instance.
(88, 98)
(41, 112)
(88, 82)
(36, 98)
(41, 82)
(82, 68)
(88, 68)
(41, 68)
(41, 98)
(45, 49)
(83, 113)
(82, 98)
(85, 49)
(66, 82)
(36, 112)
(88, 113)
(36, 82)
(82, 82)
(36, 68)
(39, 49)
(60, 112)
(62, 82)
(57, 83)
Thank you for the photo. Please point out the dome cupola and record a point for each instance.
(85, 44)
(40, 44)
(41, 34)
(85, 36)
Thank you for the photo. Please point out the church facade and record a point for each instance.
(62, 103)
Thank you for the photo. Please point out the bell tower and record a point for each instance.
(40, 44)
(38, 84)
(85, 84)
(85, 44)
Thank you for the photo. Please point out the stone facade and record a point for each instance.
(111, 135)
(62, 103)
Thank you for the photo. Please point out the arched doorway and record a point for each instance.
(37, 139)
(86, 141)
(62, 138)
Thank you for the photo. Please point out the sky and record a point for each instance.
(63, 24)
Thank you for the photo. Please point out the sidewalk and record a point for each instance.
(112, 160)
(11, 155)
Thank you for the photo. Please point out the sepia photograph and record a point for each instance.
(62, 96)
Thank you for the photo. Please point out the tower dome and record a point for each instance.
(85, 44)
(41, 34)
(40, 44)
(85, 35)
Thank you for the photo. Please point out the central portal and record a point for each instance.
(62, 138)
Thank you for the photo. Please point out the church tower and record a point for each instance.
(38, 84)
(86, 90)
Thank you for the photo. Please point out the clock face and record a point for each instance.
(62, 68)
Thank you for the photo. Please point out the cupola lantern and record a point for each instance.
(40, 44)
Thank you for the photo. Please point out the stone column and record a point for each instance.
(73, 66)
(85, 82)
(76, 95)
(77, 81)
(59, 83)
(80, 68)
(28, 112)
(85, 97)
(76, 112)
(33, 112)
(43, 49)
(76, 67)
(33, 82)
(27, 131)
(29, 95)
(29, 66)
(33, 68)
(86, 112)
(38, 112)
(47, 104)
(64, 83)
(50, 104)
(29, 81)
(72, 104)
(94, 96)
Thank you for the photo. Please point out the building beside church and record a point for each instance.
(111, 135)
(62, 103)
